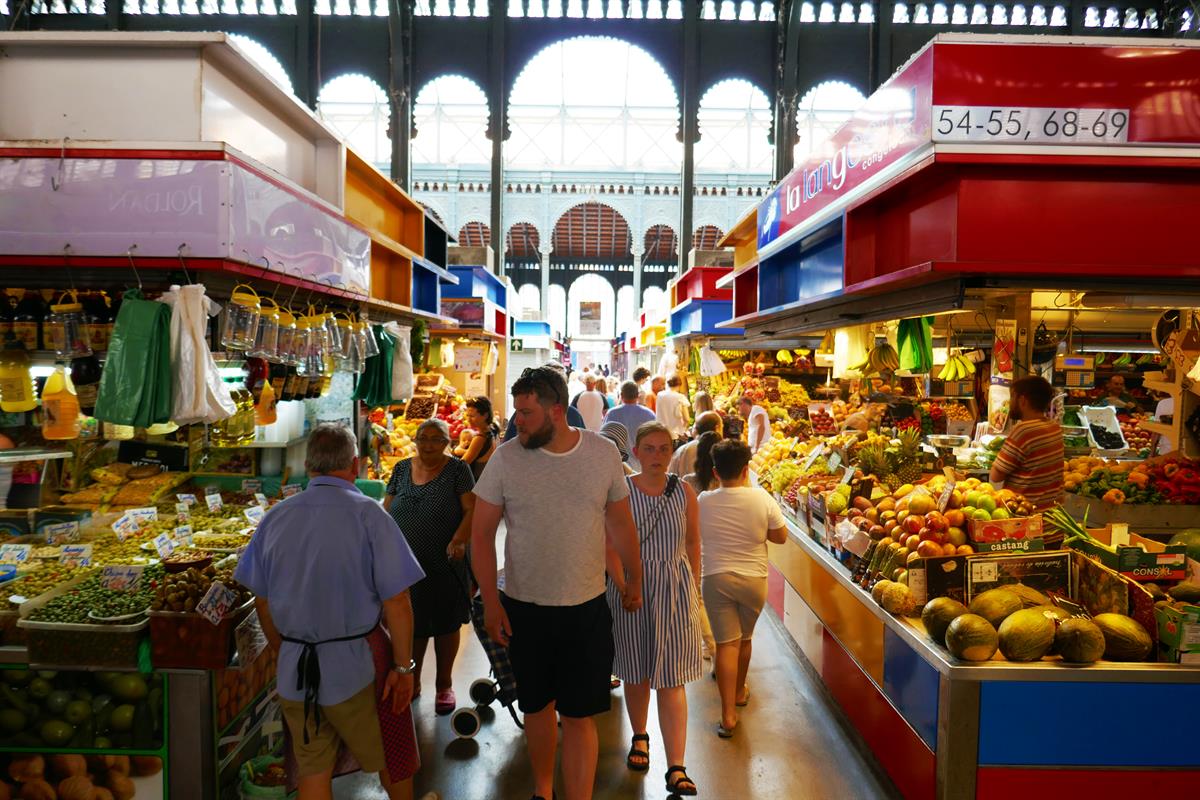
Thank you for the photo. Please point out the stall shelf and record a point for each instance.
(698, 305)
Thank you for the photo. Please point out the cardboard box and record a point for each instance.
(174, 457)
(1179, 628)
(1172, 655)
(1102, 590)
(1048, 572)
(1156, 518)
(1156, 562)
(1000, 529)
(946, 576)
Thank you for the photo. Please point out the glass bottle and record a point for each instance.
(85, 374)
(16, 383)
(28, 318)
(257, 375)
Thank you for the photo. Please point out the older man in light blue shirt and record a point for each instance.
(328, 566)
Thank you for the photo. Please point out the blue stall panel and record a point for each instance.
(1088, 724)
(808, 269)
(911, 684)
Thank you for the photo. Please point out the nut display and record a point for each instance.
(76, 777)
(180, 592)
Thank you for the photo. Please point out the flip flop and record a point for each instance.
(725, 733)
(445, 703)
(745, 701)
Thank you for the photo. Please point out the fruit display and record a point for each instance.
(79, 777)
(40, 581)
(1138, 440)
(236, 687)
(821, 419)
(958, 367)
(90, 602)
(1169, 480)
(181, 591)
(85, 710)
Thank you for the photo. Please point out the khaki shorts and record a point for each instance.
(734, 603)
(355, 722)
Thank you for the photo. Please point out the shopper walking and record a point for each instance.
(484, 437)
(671, 409)
(683, 463)
(758, 430)
(430, 498)
(658, 384)
(615, 432)
(561, 491)
(630, 413)
(574, 418)
(701, 479)
(641, 376)
(658, 647)
(591, 404)
(327, 566)
(736, 522)
(701, 402)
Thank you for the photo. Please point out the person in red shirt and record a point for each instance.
(1031, 459)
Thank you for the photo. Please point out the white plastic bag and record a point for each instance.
(668, 363)
(402, 365)
(200, 395)
(711, 364)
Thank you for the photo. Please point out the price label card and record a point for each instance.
(126, 526)
(947, 493)
(255, 514)
(251, 486)
(183, 512)
(1017, 125)
(76, 555)
(183, 535)
(214, 501)
(214, 489)
(261, 499)
(291, 489)
(164, 544)
(187, 499)
(62, 532)
(848, 475)
(143, 515)
(121, 579)
(816, 453)
(959, 427)
(984, 571)
(15, 553)
(835, 461)
(217, 602)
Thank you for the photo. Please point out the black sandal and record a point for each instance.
(675, 788)
(634, 752)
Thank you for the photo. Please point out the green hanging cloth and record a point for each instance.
(136, 384)
(915, 337)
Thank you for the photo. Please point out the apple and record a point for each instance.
(935, 521)
(956, 536)
(964, 550)
(955, 518)
(929, 549)
(877, 532)
(912, 541)
(854, 513)
(927, 535)
(890, 526)
(913, 524)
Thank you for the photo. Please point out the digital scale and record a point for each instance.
(1079, 371)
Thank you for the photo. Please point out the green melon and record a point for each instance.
(937, 616)
(995, 605)
(897, 599)
(1124, 638)
(877, 590)
(1185, 592)
(1029, 596)
(1189, 538)
(1026, 635)
(1079, 641)
(971, 638)
(1057, 616)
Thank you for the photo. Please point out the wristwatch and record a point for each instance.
(407, 670)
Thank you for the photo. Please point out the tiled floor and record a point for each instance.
(792, 744)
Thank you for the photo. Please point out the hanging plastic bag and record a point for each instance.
(491, 359)
(200, 394)
(402, 365)
(135, 386)
(668, 364)
(375, 383)
(711, 364)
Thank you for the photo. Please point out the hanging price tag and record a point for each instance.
(215, 503)
(947, 493)
(15, 553)
(125, 527)
(164, 544)
(251, 486)
(835, 461)
(816, 453)
(143, 515)
(291, 489)
(76, 555)
(183, 535)
(187, 499)
(62, 532)
(217, 602)
(121, 579)
(261, 499)
(255, 514)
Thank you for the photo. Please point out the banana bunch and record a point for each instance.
(881, 358)
(958, 367)
(784, 357)
(1124, 361)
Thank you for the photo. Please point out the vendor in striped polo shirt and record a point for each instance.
(1031, 460)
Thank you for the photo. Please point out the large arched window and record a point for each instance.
(821, 112)
(264, 59)
(735, 122)
(450, 123)
(357, 108)
(593, 103)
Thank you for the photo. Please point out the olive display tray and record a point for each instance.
(10, 633)
(81, 645)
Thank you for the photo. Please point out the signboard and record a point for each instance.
(468, 358)
(589, 318)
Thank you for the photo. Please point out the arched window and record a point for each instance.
(706, 237)
(474, 234)
(357, 108)
(450, 123)
(654, 303)
(661, 245)
(592, 288)
(626, 310)
(531, 301)
(567, 113)
(735, 122)
(263, 59)
(821, 112)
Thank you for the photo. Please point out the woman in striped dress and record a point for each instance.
(658, 646)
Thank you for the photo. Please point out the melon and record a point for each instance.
(995, 605)
(877, 591)
(1026, 635)
(937, 616)
(971, 638)
(1189, 538)
(1185, 592)
(1029, 596)
(1124, 638)
(1079, 641)
(897, 599)
(1057, 616)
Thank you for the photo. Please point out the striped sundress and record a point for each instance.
(660, 642)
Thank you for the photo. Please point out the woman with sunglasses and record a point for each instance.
(429, 497)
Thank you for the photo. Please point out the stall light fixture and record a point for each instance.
(41, 371)
(231, 372)
(1118, 349)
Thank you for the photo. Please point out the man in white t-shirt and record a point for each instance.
(591, 404)
(1163, 444)
(758, 429)
(562, 494)
(736, 522)
(671, 409)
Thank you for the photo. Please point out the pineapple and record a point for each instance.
(873, 460)
(908, 457)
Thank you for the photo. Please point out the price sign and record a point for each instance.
(15, 553)
(1017, 125)
(126, 526)
(291, 489)
(183, 512)
(261, 499)
(959, 427)
(816, 453)
(848, 475)
(213, 489)
(217, 602)
(984, 571)
(183, 535)
(62, 532)
(251, 486)
(121, 579)
(214, 501)
(255, 514)
(144, 514)
(164, 544)
(835, 461)
(186, 499)
(76, 555)
(947, 493)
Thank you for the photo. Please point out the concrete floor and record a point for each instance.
(792, 742)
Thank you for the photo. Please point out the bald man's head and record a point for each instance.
(709, 421)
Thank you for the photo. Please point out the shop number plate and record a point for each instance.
(1009, 125)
